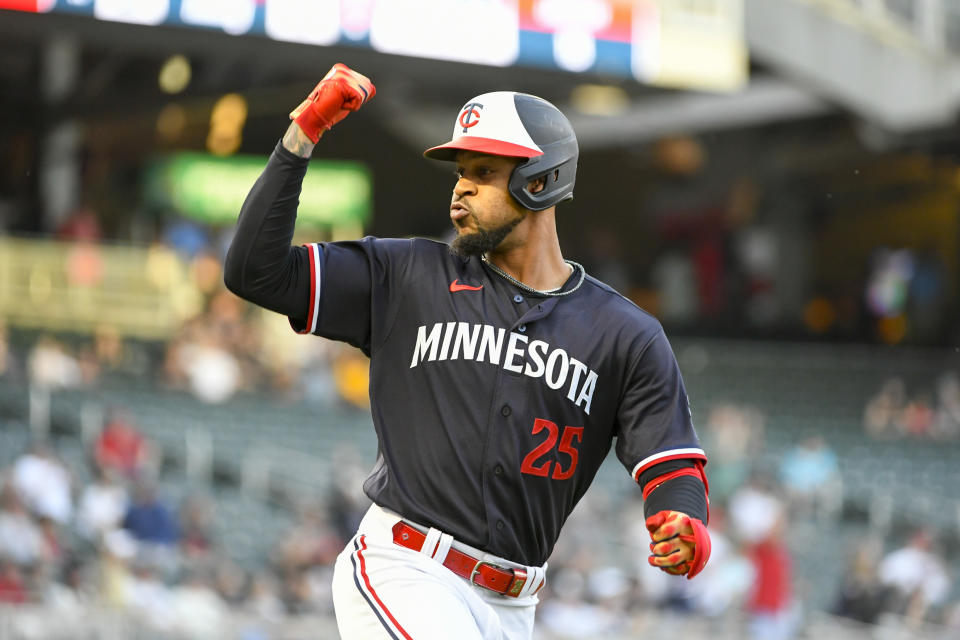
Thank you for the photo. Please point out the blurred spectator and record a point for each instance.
(21, 540)
(51, 365)
(928, 296)
(346, 503)
(810, 475)
(43, 483)
(197, 612)
(108, 346)
(770, 605)
(121, 448)
(951, 617)
(149, 596)
(755, 509)
(946, 422)
(724, 583)
(755, 254)
(918, 416)
(102, 504)
(861, 596)
(296, 591)
(9, 367)
(53, 540)
(196, 526)
(242, 337)
(317, 382)
(149, 519)
(115, 579)
(295, 367)
(89, 366)
(186, 237)
(611, 589)
(568, 614)
(232, 582)
(312, 541)
(13, 589)
(118, 357)
(917, 576)
(207, 274)
(605, 258)
(69, 596)
(883, 414)
(263, 600)
(734, 436)
(82, 224)
(199, 361)
(675, 281)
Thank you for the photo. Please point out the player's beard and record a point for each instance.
(482, 240)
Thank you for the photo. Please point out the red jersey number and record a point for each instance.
(566, 447)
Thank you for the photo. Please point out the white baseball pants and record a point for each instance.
(384, 591)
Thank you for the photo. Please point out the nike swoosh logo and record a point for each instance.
(456, 286)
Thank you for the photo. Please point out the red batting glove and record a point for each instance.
(341, 91)
(681, 544)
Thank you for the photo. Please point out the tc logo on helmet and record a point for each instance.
(470, 117)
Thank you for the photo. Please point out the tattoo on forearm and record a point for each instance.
(296, 141)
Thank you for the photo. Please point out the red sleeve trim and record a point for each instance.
(313, 308)
(659, 480)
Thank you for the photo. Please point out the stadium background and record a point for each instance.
(776, 180)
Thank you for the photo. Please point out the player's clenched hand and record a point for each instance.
(680, 544)
(341, 91)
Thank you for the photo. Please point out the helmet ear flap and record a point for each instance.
(558, 180)
(537, 185)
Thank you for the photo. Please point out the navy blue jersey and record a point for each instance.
(494, 407)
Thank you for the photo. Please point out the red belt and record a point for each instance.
(503, 580)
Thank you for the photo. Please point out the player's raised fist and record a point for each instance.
(680, 544)
(341, 91)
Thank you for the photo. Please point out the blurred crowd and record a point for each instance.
(227, 349)
(222, 347)
(770, 513)
(926, 413)
(120, 540)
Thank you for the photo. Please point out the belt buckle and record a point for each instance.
(516, 583)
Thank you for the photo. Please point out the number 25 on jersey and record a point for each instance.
(530, 465)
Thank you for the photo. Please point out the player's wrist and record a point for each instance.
(297, 142)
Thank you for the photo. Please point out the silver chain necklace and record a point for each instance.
(554, 294)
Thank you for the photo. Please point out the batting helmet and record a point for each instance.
(518, 125)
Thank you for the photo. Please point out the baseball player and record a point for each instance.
(500, 375)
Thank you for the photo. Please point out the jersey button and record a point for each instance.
(499, 525)
(498, 470)
(518, 298)
(505, 410)
(522, 328)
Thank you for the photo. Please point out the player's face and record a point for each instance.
(481, 208)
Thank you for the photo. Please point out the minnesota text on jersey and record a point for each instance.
(458, 340)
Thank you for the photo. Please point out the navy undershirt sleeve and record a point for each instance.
(685, 494)
(261, 265)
